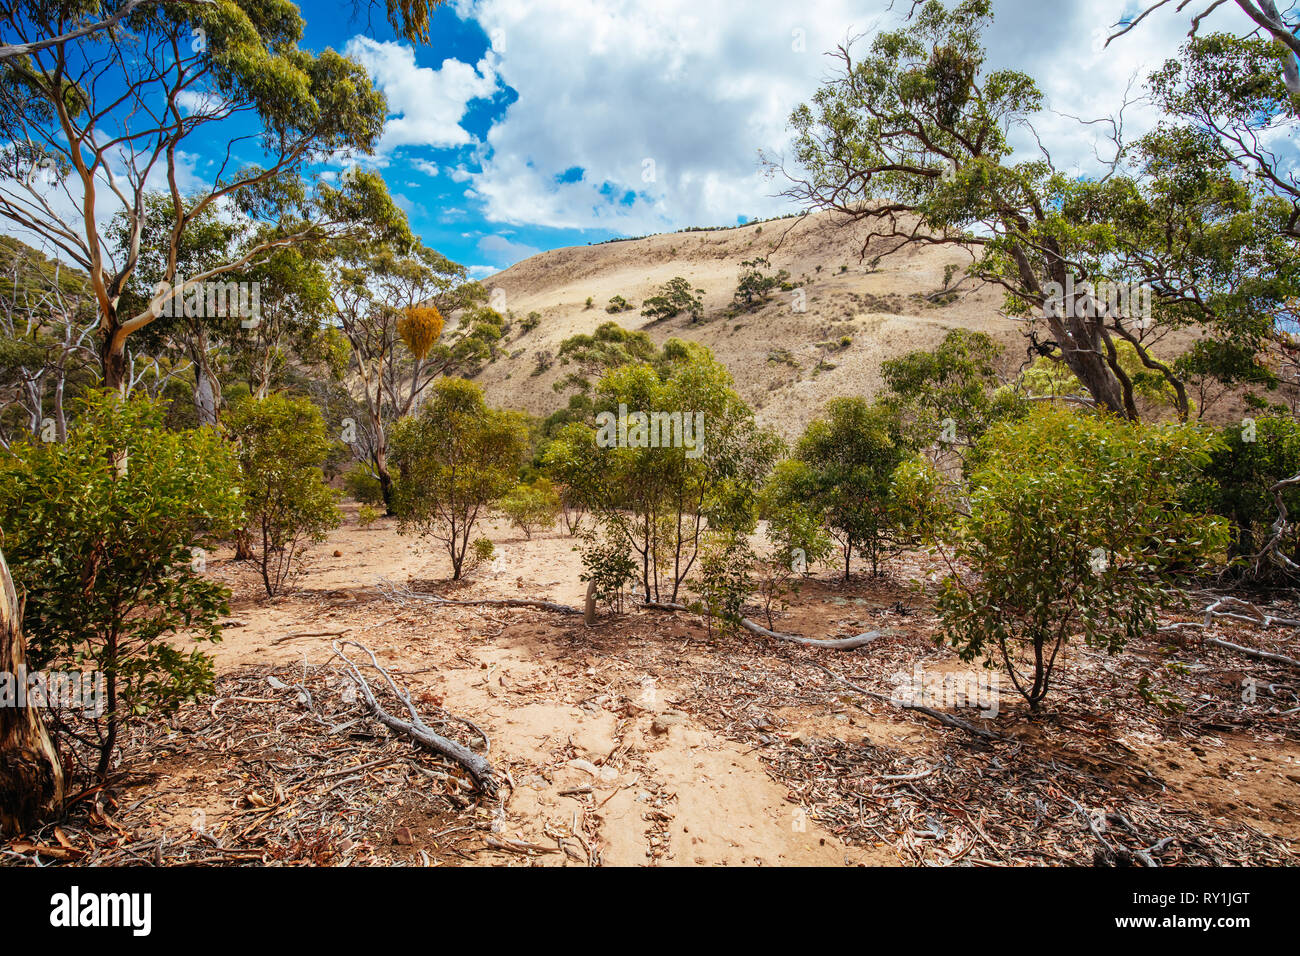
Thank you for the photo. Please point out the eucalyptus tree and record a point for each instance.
(295, 305)
(914, 138)
(81, 18)
(47, 329)
(93, 123)
(1263, 13)
(669, 453)
(384, 294)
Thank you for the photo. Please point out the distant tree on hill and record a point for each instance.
(674, 297)
(755, 286)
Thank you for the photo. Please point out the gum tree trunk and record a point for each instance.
(31, 777)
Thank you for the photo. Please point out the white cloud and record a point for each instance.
(427, 105)
(504, 252)
(700, 88)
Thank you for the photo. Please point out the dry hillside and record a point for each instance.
(786, 363)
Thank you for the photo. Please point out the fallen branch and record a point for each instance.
(294, 637)
(839, 644)
(508, 602)
(478, 767)
(1250, 651)
(1254, 615)
(1281, 529)
(930, 712)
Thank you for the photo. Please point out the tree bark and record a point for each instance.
(31, 776)
(112, 358)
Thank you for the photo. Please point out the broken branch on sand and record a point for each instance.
(837, 644)
(478, 767)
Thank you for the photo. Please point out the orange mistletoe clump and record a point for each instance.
(420, 328)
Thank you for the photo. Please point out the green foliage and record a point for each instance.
(1076, 524)
(925, 502)
(674, 297)
(843, 466)
(367, 515)
(298, 106)
(797, 538)
(949, 388)
(723, 584)
(105, 534)
(360, 484)
(532, 507)
(608, 562)
(482, 550)
(1048, 378)
(1237, 482)
(655, 498)
(755, 286)
(281, 443)
(618, 304)
(453, 461)
(529, 322)
(608, 347)
(918, 126)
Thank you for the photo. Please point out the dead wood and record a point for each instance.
(930, 712)
(838, 644)
(31, 775)
(477, 767)
(1251, 652)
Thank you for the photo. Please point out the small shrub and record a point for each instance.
(362, 486)
(674, 297)
(481, 550)
(608, 563)
(532, 507)
(105, 535)
(756, 286)
(453, 460)
(1075, 526)
(367, 515)
(618, 304)
(723, 584)
(281, 444)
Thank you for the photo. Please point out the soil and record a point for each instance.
(651, 739)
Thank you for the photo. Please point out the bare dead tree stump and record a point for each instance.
(589, 609)
(31, 776)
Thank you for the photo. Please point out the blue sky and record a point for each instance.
(428, 178)
(526, 125)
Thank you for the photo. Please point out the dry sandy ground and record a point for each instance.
(664, 788)
(655, 742)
